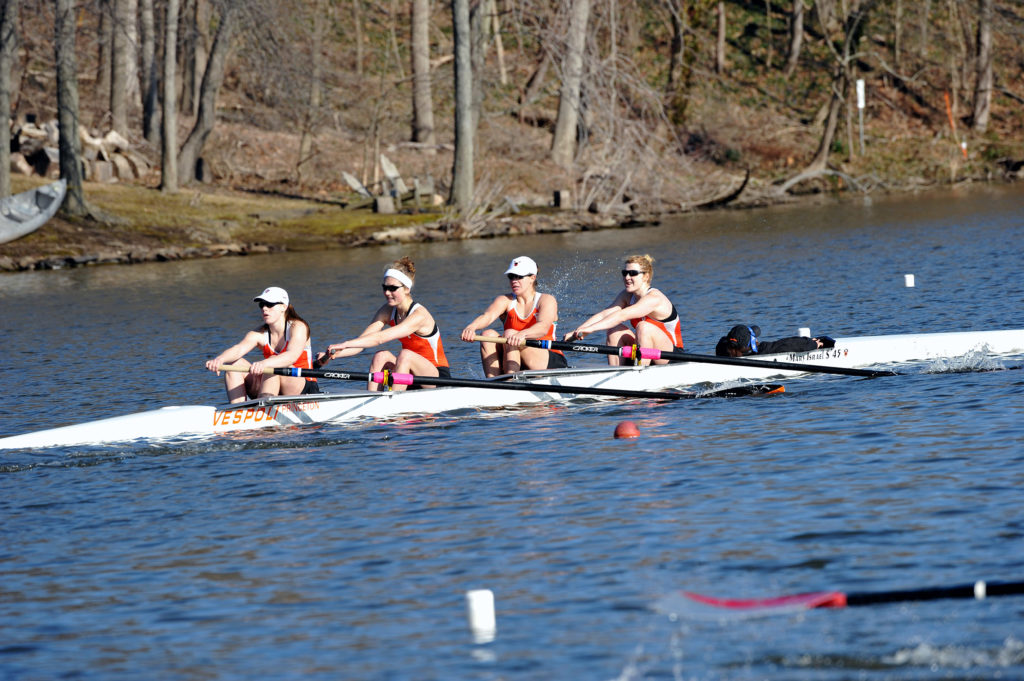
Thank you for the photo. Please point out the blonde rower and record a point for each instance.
(525, 314)
(403, 320)
(284, 339)
(653, 317)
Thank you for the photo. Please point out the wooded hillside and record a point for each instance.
(635, 105)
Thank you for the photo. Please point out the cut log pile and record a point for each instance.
(110, 158)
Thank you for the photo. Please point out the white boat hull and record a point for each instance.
(26, 212)
(352, 405)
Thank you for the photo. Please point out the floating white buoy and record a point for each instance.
(480, 611)
(980, 590)
(804, 332)
(908, 280)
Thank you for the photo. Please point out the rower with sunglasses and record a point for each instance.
(652, 315)
(284, 340)
(398, 319)
(525, 314)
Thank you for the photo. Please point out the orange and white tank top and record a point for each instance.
(429, 347)
(305, 360)
(671, 326)
(513, 321)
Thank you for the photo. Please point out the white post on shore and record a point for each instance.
(860, 110)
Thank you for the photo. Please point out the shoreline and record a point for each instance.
(61, 244)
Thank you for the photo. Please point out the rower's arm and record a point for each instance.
(488, 317)
(236, 351)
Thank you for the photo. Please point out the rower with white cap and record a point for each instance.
(525, 314)
(284, 340)
(398, 319)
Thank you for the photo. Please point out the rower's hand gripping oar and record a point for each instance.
(635, 353)
(838, 599)
(388, 379)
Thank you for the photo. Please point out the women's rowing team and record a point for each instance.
(640, 314)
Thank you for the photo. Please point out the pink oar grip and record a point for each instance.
(402, 379)
(650, 353)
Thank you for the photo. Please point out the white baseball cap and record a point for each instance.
(273, 294)
(523, 266)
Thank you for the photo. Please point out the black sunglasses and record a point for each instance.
(516, 277)
(263, 303)
(390, 288)
(631, 273)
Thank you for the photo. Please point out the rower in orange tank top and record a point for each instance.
(526, 314)
(398, 319)
(283, 338)
(654, 320)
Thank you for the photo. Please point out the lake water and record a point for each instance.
(344, 552)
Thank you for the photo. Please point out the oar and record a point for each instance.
(838, 599)
(389, 378)
(631, 351)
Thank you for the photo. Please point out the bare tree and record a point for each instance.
(462, 170)
(796, 37)
(720, 41)
(315, 87)
(983, 88)
(8, 45)
(563, 144)
(124, 78)
(213, 78)
(422, 101)
(169, 157)
(148, 75)
(194, 53)
(67, 108)
(104, 63)
(844, 54)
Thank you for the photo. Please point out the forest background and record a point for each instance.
(241, 134)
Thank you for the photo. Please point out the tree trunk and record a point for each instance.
(320, 10)
(422, 100)
(768, 32)
(720, 42)
(854, 29)
(195, 46)
(8, 46)
(105, 39)
(169, 157)
(897, 37)
(150, 94)
(796, 37)
(124, 84)
(563, 144)
(213, 78)
(67, 108)
(462, 169)
(357, 20)
(983, 89)
(478, 29)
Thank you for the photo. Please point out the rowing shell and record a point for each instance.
(352, 405)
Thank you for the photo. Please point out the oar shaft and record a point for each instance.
(977, 590)
(410, 379)
(654, 353)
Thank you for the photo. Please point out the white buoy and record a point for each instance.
(908, 280)
(804, 332)
(480, 611)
